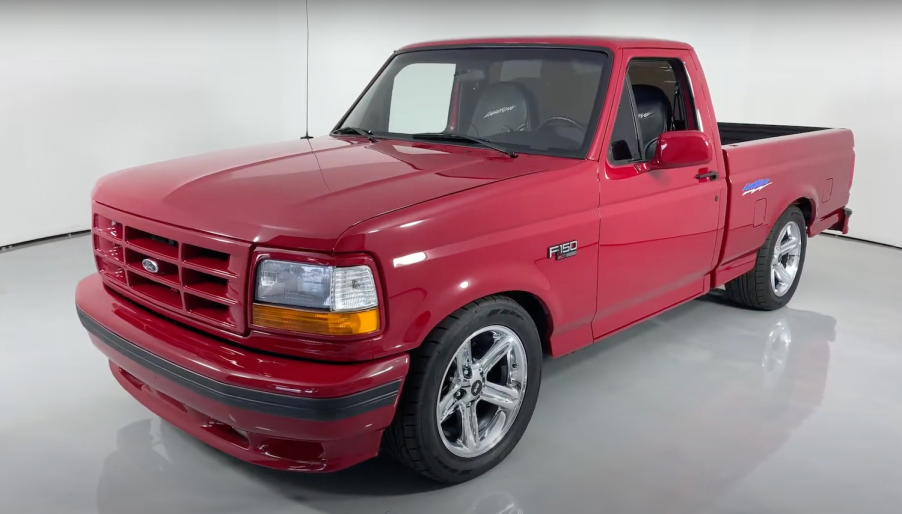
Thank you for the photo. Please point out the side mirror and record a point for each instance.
(679, 149)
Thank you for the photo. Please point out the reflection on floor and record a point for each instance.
(708, 408)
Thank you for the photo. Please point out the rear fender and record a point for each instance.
(793, 197)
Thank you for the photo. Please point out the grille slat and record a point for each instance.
(151, 243)
(205, 259)
(209, 271)
(209, 286)
(210, 310)
(107, 227)
(107, 248)
(156, 290)
(195, 277)
(206, 294)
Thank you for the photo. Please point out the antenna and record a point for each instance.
(307, 74)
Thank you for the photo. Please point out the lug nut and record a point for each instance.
(466, 372)
(459, 394)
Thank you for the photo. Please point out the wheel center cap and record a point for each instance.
(476, 388)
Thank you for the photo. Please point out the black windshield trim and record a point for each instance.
(595, 119)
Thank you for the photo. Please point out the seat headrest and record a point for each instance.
(653, 110)
(502, 107)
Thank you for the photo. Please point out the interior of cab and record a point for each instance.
(551, 97)
(656, 98)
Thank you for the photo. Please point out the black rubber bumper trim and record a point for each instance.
(312, 409)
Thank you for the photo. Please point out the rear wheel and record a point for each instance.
(471, 391)
(778, 267)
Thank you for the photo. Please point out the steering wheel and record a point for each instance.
(560, 118)
(647, 146)
(521, 128)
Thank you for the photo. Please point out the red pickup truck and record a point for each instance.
(397, 283)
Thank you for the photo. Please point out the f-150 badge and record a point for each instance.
(562, 251)
(754, 187)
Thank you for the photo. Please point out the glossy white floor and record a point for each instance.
(708, 408)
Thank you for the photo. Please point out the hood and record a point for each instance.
(303, 194)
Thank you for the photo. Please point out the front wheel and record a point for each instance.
(778, 266)
(470, 393)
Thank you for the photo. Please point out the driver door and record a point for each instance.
(658, 229)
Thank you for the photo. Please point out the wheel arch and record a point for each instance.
(530, 301)
(802, 195)
(538, 311)
(806, 205)
(531, 291)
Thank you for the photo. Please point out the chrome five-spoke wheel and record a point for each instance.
(786, 258)
(482, 390)
(465, 402)
(773, 280)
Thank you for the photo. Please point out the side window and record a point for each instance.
(421, 98)
(663, 102)
(624, 138)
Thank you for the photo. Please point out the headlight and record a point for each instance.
(319, 299)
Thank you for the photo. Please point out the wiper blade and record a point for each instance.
(444, 136)
(354, 130)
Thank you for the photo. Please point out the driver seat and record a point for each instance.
(503, 107)
(654, 114)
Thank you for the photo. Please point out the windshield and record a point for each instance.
(527, 100)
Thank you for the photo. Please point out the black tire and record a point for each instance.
(754, 289)
(413, 438)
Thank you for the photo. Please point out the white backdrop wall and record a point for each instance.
(90, 88)
(87, 89)
(794, 63)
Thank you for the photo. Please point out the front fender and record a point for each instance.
(564, 289)
(438, 256)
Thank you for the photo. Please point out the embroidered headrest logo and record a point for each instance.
(499, 111)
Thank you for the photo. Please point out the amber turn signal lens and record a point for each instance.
(322, 323)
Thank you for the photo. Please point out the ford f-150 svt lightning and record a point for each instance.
(396, 283)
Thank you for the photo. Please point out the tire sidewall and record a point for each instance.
(791, 214)
(504, 313)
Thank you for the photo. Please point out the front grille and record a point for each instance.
(198, 276)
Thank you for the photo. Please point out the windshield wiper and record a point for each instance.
(444, 136)
(354, 130)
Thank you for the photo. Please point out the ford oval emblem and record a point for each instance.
(151, 265)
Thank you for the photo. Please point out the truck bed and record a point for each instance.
(734, 133)
(772, 166)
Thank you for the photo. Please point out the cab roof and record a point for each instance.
(613, 43)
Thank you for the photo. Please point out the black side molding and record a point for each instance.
(312, 409)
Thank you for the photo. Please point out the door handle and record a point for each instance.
(712, 175)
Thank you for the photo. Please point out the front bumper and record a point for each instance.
(277, 412)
